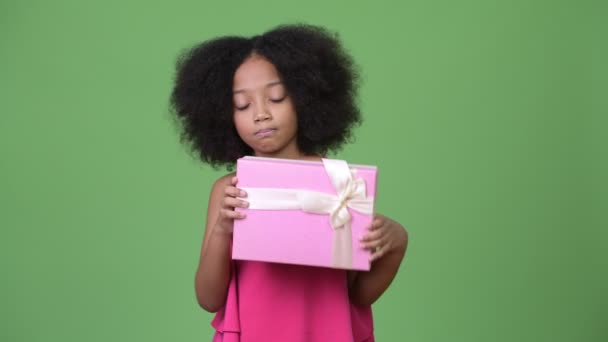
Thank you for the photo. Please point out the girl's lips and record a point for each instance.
(265, 132)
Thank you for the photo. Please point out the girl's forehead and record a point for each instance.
(255, 73)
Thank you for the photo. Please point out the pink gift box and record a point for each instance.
(295, 236)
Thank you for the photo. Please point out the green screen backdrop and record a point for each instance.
(487, 120)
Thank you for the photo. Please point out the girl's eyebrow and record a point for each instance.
(271, 84)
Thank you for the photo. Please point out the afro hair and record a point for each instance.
(320, 77)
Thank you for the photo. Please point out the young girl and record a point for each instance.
(289, 93)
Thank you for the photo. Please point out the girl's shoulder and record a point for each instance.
(219, 186)
(224, 180)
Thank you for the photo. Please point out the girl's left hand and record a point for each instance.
(385, 236)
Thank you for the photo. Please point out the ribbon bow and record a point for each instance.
(351, 194)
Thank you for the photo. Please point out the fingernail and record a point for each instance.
(243, 193)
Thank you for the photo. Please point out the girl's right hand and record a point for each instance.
(230, 201)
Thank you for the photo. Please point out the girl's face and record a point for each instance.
(264, 114)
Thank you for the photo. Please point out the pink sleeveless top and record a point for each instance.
(269, 302)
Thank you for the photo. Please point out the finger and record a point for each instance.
(372, 235)
(231, 202)
(375, 224)
(234, 192)
(379, 253)
(381, 250)
(231, 191)
(240, 192)
(373, 244)
(232, 214)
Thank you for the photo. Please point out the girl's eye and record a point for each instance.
(242, 107)
(278, 100)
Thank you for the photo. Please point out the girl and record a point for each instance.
(289, 93)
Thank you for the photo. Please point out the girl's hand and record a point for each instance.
(385, 236)
(225, 220)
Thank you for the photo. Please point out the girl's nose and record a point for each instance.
(261, 114)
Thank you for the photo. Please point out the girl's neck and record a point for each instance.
(293, 155)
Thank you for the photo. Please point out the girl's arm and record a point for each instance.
(213, 273)
(388, 241)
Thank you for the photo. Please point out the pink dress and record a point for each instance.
(269, 302)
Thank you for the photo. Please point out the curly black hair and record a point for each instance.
(319, 75)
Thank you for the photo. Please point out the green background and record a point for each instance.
(487, 120)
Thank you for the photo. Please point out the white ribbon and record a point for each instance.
(351, 193)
